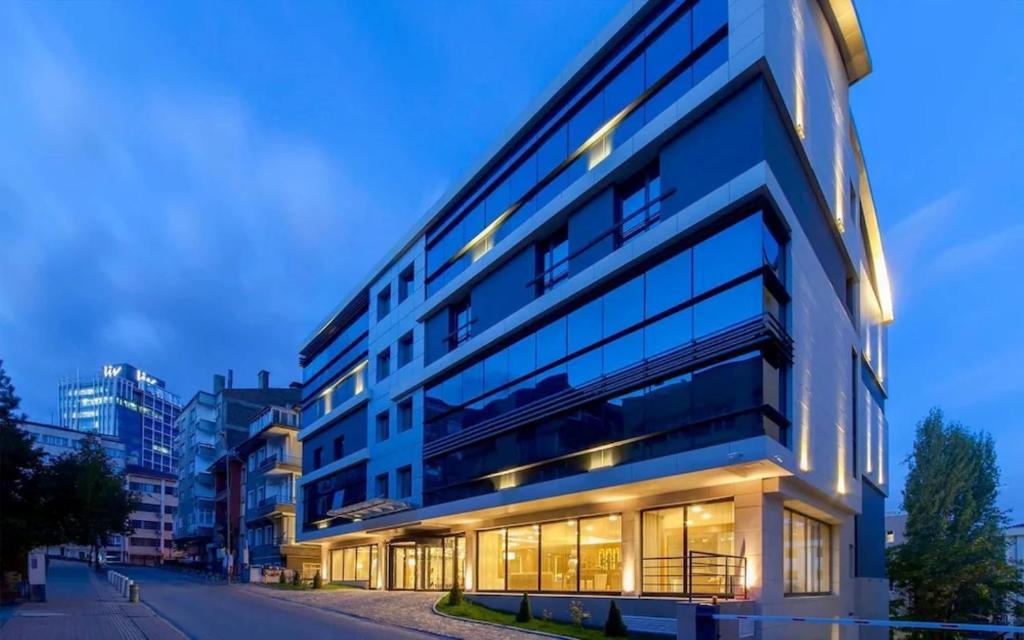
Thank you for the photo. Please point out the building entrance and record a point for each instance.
(426, 564)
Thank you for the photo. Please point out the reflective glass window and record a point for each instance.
(624, 306)
(668, 284)
(668, 49)
(728, 254)
(551, 342)
(585, 122)
(586, 325)
(708, 17)
(552, 152)
(734, 305)
(624, 88)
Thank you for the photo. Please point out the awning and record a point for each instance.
(369, 509)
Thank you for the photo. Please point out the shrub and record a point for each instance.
(614, 627)
(524, 615)
(296, 580)
(280, 578)
(577, 613)
(318, 582)
(455, 595)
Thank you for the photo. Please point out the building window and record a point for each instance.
(566, 555)
(673, 537)
(381, 485)
(383, 364)
(890, 537)
(383, 426)
(638, 204)
(355, 564)
(807, 554)
(406, 279)
(318, 457)
(339, 447)
(405, 349)
(383, 303)
(405, 415)
(553, 261)
(460, 323)
(403, 482)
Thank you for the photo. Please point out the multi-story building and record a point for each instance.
(152, 522)
(211, 427)
(125, 402)
(640, 350)
(272, 462)
(152, 538)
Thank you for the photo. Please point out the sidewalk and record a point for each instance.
(81, 605)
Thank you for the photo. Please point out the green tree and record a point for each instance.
(86, 487)
(952, 565)
(21, 496)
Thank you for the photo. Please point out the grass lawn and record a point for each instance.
(478, 612)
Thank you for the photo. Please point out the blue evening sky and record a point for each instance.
(191, 187)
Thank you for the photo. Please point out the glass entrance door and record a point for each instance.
(429, 565)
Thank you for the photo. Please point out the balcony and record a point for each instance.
(277, 419)
(270, 506)
(279, 463)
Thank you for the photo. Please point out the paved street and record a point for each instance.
(82, 606)
(215, 611)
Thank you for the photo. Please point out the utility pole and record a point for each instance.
(227, 509)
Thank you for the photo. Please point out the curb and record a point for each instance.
(499, 626)
(356, 616)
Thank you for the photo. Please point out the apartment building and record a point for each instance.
(152, 522)
(272, 461)
(210, 428)
(638, 352)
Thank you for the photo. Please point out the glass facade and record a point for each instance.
(676, 537)
(611, 346)
(583, 555)
(355, 564)
(673, 50)
(346, 487)
(807, 554)
(127, 403)
(427, 565)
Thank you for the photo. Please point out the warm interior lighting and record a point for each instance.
(601, 459)
(484, 241)
(506, 481)
(599, 151)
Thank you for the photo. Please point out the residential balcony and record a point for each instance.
(279, 464)
(270, 506)
(276, 419)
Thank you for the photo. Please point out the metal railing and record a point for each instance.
(698, 575)
(274, 415)
(276, 459)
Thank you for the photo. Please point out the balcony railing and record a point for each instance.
(269, 505)
(273, 416)
(697, 575)
(279, 459)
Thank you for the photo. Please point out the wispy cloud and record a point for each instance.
(972, 254)
(158, 224)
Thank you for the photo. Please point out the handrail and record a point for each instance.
(616, 227)
(698, 574)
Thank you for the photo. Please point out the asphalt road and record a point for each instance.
(215, 611)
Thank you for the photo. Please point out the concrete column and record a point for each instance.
(631, 553)
(749, 541)
(469, 572)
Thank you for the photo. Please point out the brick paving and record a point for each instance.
(82, 606)
(409, 609)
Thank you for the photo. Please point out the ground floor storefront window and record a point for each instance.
(807, 554)
(355, 564)
(689, 549)
(583, 554)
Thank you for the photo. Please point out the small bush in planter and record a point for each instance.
(296, 580)
(318, 582)
(524, 615)
(280, 578)
(614, 626)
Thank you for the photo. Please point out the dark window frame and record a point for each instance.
(406, 282)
